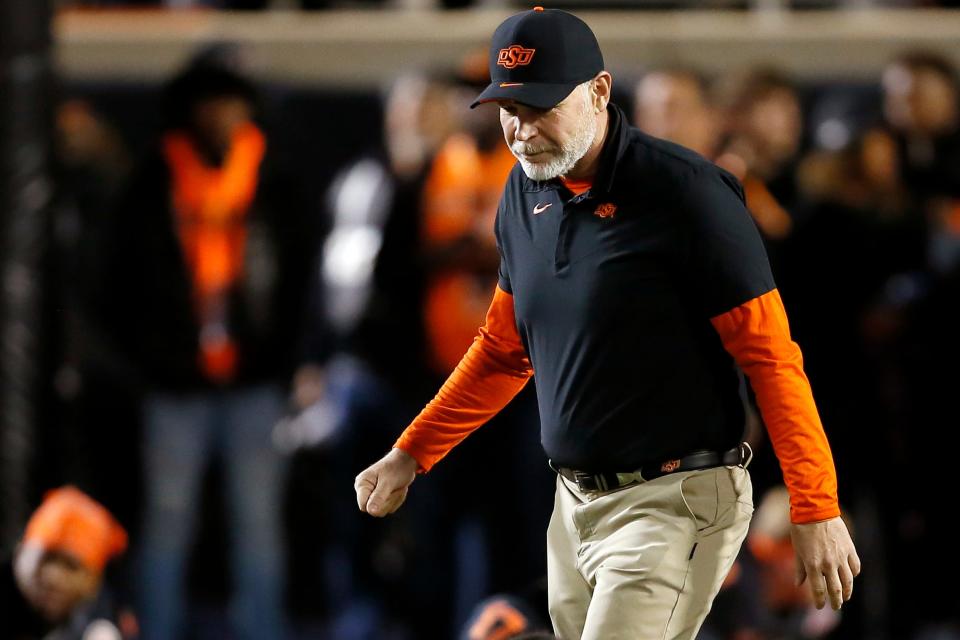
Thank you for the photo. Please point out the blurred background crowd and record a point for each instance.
(247, 289)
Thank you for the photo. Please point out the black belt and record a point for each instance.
(608, 480)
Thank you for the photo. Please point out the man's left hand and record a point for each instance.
(826, 559)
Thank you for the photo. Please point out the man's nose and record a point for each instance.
(525, 130)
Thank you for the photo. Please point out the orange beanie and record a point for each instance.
(70, 521)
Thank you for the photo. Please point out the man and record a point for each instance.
(54, 586)
(921, 105)
(631, 280)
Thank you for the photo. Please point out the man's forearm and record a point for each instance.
(758, 337)
(492, 372)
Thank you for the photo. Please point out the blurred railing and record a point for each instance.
(365, 48)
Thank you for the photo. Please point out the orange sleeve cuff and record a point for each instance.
(757, 335)
(491, 373)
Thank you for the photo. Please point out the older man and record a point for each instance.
(631, 280)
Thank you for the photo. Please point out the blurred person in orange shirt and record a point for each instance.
(53, 588)
(459, 204)
(763, 125)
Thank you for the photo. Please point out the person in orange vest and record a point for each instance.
(210, 258)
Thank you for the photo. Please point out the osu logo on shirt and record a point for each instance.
(670, 466)
(515, 56)
(606, 210)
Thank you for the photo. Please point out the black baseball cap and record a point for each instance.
(539, 56)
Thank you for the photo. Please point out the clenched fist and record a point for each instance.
(382, 487)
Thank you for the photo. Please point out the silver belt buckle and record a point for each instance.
(579, 476)
(746, 454)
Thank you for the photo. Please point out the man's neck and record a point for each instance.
(589, 164)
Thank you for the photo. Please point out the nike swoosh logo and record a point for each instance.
(540, 208)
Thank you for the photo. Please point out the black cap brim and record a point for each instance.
(539, 95)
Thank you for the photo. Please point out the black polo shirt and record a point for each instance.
(613, 293)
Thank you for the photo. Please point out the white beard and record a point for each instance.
(570, 152)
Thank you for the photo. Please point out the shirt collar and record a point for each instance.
(614, 146)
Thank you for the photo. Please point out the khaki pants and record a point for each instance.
(644, 562)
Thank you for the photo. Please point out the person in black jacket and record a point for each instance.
(210, 255)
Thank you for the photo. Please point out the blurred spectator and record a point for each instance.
(922, 107)
(366, 286)
(510, 616)
(54, 586)
(674, 104)
(367, 333)
(210, 253)
(920, 92)
(855, 214)
(763, 125)
(459, 206)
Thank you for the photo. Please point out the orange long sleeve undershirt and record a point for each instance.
(757, 335)
(492, 372)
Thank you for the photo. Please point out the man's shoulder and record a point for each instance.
(663, 163)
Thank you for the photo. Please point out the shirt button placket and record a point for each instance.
(561, 253)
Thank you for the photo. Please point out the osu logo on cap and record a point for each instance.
(515, 56)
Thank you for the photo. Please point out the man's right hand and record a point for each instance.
(382, 487)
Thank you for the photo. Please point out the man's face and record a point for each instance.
(56, 584)
(549, 142)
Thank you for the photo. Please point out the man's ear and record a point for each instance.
(600, 88)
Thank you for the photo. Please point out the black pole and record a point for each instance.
(25, 195)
